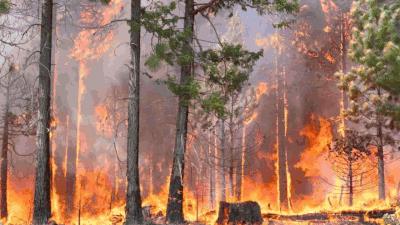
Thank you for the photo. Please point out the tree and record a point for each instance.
(348, 154)
(373, 48)
(133, 199)
(377, 22)
(42, 206)
(226, 68)
(17, 118)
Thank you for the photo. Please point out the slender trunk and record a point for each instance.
(381, 165)
(231, 154)
(133, 206)
(42, 206)
(350, 180)
(4, 157)
(381, 160)
(211, 150)
(175, 195)
(282, 157)
(240, 165)
(70, 176)
(222, 187)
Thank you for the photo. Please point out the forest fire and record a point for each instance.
(291, 135)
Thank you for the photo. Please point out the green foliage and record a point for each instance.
(4, 6)
(214, 103)
(188, 91)
(375, 47)
(229, 67)
(262, 6)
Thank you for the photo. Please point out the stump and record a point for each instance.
(239, 213)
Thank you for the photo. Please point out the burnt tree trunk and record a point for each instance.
(133, 206)
(282, 157)
(41, 205)
(4, 155)
(222, 188)
(175, 195)
(239, 213)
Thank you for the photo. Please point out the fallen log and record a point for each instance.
(348, 215)
(239, 213)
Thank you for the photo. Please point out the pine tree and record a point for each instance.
(42, 206)
(133, 199)
(226, 68)
(374, 47)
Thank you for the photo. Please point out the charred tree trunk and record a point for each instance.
(239, 213)
(133, 206)
(222, 188)
(42, 206)
(175, 195)
(282, 157)
(4, 156)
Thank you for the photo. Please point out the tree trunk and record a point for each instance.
(351, 186)
(240, 165)
(133, 206)
(4, 157)
(211, 149)
(175, 195)
(381, 166)
(70, 176)
(381, 160)
(282, 157)
(42, 206)
(231, 154)
(222, 188)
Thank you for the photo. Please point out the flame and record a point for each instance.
(261, 90)
(328, 6)
(319, 135)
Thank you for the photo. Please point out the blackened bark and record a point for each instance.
(133, 206)
(4, 157)
(42, 206)
(175, 195)
(239, 213)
